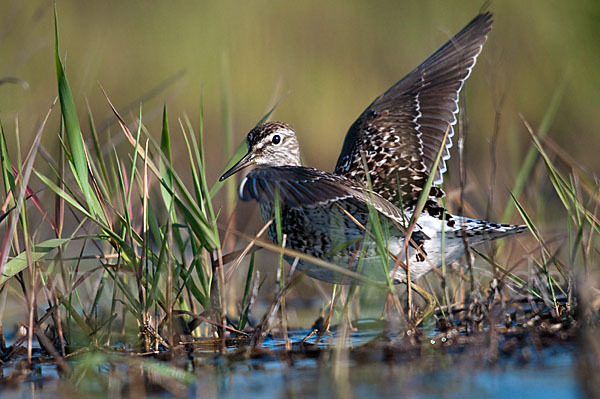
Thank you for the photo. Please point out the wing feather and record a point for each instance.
(305, 187)
(401, 132)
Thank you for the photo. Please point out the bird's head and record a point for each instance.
(269, 144)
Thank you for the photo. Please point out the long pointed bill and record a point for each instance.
(247, 160)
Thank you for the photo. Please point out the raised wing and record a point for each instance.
(299, 187)
(401, 132)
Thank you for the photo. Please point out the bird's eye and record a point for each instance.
(276, 139)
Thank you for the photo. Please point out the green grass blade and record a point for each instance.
(245, 299)
(165, 147)
(192, 147)
(78, 158)
(9, 232)
(268, 114)
(202, 228)
(97, 148)
(227, 128)
(241, 150)
(530, 158)
(6, 165)
(513, 277)
(239, 153)
(63, 194)
(19, 262)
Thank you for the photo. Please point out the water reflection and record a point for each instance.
(368, 366)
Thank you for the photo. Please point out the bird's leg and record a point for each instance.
(317, 326)
(321, 325)
(430, 303)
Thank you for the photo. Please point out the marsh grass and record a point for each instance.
(131, 259)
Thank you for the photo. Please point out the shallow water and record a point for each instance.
(378, 380)
(325, 371)
(550, 374)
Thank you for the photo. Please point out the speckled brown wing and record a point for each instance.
(300, 187)
(401, 132)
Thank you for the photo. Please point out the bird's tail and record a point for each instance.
(478, 231)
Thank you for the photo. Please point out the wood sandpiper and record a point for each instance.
(385, 161)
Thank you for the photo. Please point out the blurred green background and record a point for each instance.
(332, 58)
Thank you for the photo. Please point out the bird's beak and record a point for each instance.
(247, 160)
